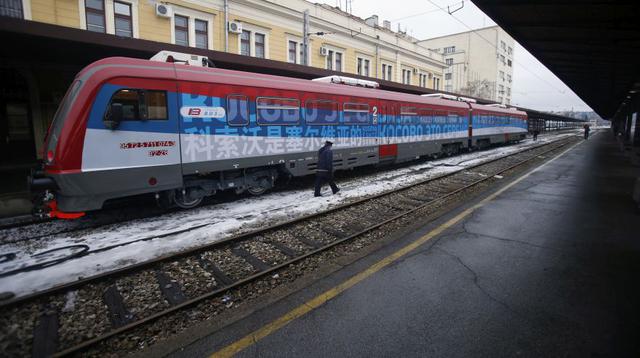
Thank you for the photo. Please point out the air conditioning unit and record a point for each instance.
(235, 27)
(324, 51)
(415, 71)
(163, 10)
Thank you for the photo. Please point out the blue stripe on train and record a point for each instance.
(388, 126)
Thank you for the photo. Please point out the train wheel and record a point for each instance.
(184, 199)
(256, 190)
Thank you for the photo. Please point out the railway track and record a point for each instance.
(73, 317)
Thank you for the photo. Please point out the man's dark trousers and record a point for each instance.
(321, 179)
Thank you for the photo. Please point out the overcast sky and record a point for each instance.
(534, 85)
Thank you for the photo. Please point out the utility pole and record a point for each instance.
(305, 37)
(226, 26)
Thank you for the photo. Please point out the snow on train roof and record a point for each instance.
(233, 77)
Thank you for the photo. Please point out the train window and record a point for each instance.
(356, 113)
(425, 116)
(407, 114)
(237, 110)
(140, 105)
(277, 111)
(321, 112)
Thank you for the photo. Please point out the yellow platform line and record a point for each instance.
(322, 298)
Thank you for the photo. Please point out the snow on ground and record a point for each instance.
(222, 221)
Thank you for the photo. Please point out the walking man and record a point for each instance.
(324, 171)
(586, 131)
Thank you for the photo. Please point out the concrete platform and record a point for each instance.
(549, 267)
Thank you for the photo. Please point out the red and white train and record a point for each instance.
(129, 126)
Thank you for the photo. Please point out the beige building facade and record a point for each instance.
(270, 29)
(479, 63)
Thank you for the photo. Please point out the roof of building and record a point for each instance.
(593, 46)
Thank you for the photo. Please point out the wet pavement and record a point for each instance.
(550, 267)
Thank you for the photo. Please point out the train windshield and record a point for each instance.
(61, 114)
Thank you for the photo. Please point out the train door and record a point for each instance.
(388, 148)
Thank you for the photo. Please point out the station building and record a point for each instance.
(479, 63)
(267, 29)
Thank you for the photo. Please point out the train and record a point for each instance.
(183, 130)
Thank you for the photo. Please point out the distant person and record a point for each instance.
(586, 131)
(324, 171)
(535, 134)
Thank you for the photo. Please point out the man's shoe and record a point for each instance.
(316, 195)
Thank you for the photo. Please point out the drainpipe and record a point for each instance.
(226, 25)
(377, 55)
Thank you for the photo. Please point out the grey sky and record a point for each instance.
(534, 85)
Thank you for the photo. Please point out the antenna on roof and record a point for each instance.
(183, 58)
(348, 81)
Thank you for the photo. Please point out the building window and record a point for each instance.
(94, 10)
(387, 71)
(406, 76)
(122, 16)
(509, 78)
(293, 52)
(502, 75)
(447, 76)
(12, 8)
(181, 30)
(510, 50)
(509, 63)
(503, 45)
(202, 34)
(259, 45)
(508, 91)
(501, 89)
(450, 49)
(502, 59)
(245, 43)
(449, 61)
(436, 83)
(423, 80)
(363, 66)
(334, 60)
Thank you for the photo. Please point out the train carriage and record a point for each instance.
(129, 126)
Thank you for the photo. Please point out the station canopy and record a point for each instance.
(591, 45)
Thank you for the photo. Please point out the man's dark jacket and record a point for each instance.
(325, 160)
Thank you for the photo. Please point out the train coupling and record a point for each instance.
(43, 199)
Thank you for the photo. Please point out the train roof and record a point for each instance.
(111, 67)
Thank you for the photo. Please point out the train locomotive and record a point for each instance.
(185, 131)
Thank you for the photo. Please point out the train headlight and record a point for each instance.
(49, 156)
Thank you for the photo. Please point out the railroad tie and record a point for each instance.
(309, 242)
(221, 278)
(421, 198)
(45, 335)
(334, 232)
(119, 315)
(171, 291)
(284, 249)
(257, 264)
